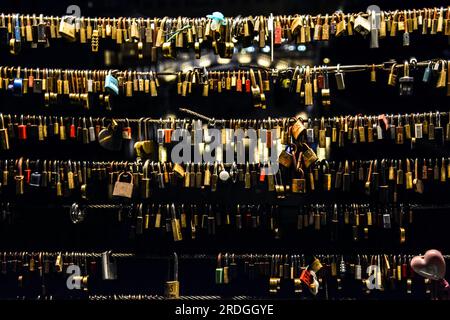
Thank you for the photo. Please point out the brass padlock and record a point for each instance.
(123, 189)
(19, 178)
(298, 184)
(309, 156)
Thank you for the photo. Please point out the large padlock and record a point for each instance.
(286, 157)
(123, 189)
(309, 156)
(111, 84)
(406, 82)
(297, 128)
(67, 27)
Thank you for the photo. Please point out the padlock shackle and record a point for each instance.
(173, 267)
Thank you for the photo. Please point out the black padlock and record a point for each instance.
(35, 178)
(406, 82)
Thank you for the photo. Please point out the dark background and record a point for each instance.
(41, 224)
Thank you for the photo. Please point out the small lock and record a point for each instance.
(109, 266)
(219, 270)
(111, 84)
(172, 285)
(22, 129)
(126, 130)
(35, 178)
(406, 82)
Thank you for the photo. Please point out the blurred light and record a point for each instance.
(264, 61)
(281, 65)
(302, 115)
(301, 48)
(326, 60)
(204, 62)
(249, 49)
(108, 57)
(183, 56)
(170, 116)
(223, 61)
(266, 49)
(186, 66)
(291, 47)
(244, 58)
(169, 78)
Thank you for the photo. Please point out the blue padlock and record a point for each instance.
(111, 84)
(17, 86)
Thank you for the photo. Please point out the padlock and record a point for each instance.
(346, 181)
(309, 156)
(339, 75)
(145, 181)
(22, 129)
(286, 157)
(123, 189)
(19, 178)
(109, 266)
(363, 25)
(392, 78)
(175, 224)
(4, 138)
(298, 184)
(326, 174)
(172, 285)
(297, 128)
(35, 178)
(219, 270)
(67, 27)
(111, 84)
(406, 82)
(126, 130)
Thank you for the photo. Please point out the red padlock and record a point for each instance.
(404, 270)
(73, 130)
(22, 129)
(31, 80)
(305, 277)
(27, 171)
(247, 85)
(93, 268)
(168, 135)
(262, 174)
(126, 130)
(277, 34)
(320, 80)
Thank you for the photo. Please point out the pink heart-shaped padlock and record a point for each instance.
(431, 265)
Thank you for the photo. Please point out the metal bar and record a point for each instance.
(48, 19)
(348, 68)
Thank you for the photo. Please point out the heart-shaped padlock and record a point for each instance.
(431, 265)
